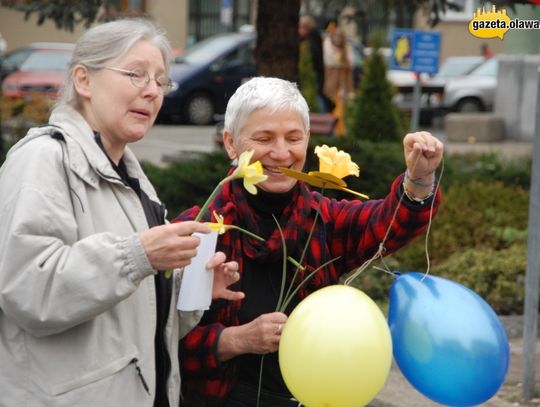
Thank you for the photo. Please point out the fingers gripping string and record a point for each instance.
(380, 252)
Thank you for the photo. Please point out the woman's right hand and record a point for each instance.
(172, 246)
(259, 336)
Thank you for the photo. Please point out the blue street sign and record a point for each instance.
(416, 51)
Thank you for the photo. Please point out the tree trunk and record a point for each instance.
(277, 39)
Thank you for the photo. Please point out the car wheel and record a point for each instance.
(199, 109)
(469, 105)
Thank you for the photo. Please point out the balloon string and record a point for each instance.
(379, 254)
(426, 246)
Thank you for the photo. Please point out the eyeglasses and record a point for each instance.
(141, 78)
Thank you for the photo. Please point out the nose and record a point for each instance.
(152, 89)
(280, 150)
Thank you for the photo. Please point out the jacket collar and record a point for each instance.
(86, 157)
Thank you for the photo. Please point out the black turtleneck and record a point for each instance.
(261, 282)
(155, 215)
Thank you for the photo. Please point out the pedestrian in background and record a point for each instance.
(3, 46)
(486, 51)
(338, 74)
(308, 31)
(87, 318)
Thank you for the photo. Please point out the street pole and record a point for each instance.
(2, 144)
(532, 277)
(415, 116)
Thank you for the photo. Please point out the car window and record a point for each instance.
(16, 58)
(207, 50)
(46, 60)
(458, 66)
(245, 53)
(239, 57)
(488, 68)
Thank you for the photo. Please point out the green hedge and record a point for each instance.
(184, 184)
(498, 276)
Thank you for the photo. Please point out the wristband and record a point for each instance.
(413, 198)
(415, 181)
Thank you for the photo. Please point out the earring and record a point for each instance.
(234, 162)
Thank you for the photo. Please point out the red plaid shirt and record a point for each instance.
(352, 230)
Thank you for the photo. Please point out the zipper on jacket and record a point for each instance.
(139, 373)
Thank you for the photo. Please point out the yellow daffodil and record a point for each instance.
(219, 225)
(334, 164)
(252, 173)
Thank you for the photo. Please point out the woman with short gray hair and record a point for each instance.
(269, 117)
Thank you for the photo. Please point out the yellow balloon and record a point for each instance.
(335, 349)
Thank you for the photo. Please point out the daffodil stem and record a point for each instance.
(247, 232)
(295, 263)
(209, 200)
(290, 296)
(310, 235)
(284, 265)
(259, 387)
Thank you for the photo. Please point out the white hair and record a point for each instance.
(263, 92)
(108, 41)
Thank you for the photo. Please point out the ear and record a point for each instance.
(81, 80)
(228, 143)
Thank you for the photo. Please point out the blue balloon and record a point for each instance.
(447, 341)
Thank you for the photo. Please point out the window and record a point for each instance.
(129, 6)
(468, 7)
(205, 18)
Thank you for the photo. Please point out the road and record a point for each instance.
(168, 141)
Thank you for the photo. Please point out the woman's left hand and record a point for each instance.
(225, 274)
(423, 154)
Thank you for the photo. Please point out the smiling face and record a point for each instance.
(278, 139)
(121, 112)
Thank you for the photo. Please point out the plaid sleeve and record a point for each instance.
(188, 214)
(198, 350)
(360, 227)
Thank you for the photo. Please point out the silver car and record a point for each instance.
(431, 101)
(474, 92)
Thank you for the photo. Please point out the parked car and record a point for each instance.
(455, 66)
(13, 60)
(43, 71)
(431, 100)
(206, 75)
(474, 92)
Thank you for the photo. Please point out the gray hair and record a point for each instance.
(108, 41)
(263, 92)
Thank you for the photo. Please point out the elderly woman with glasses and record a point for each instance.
(87, 317)
(221, 357)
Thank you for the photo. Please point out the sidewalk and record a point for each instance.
(397, 391)
(508, 149)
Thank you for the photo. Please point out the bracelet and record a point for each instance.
(413, 198)
(415, 181)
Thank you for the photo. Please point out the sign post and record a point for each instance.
(532, 276)
(418, 52)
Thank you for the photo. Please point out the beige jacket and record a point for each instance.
(77, 296)
(338, 72)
